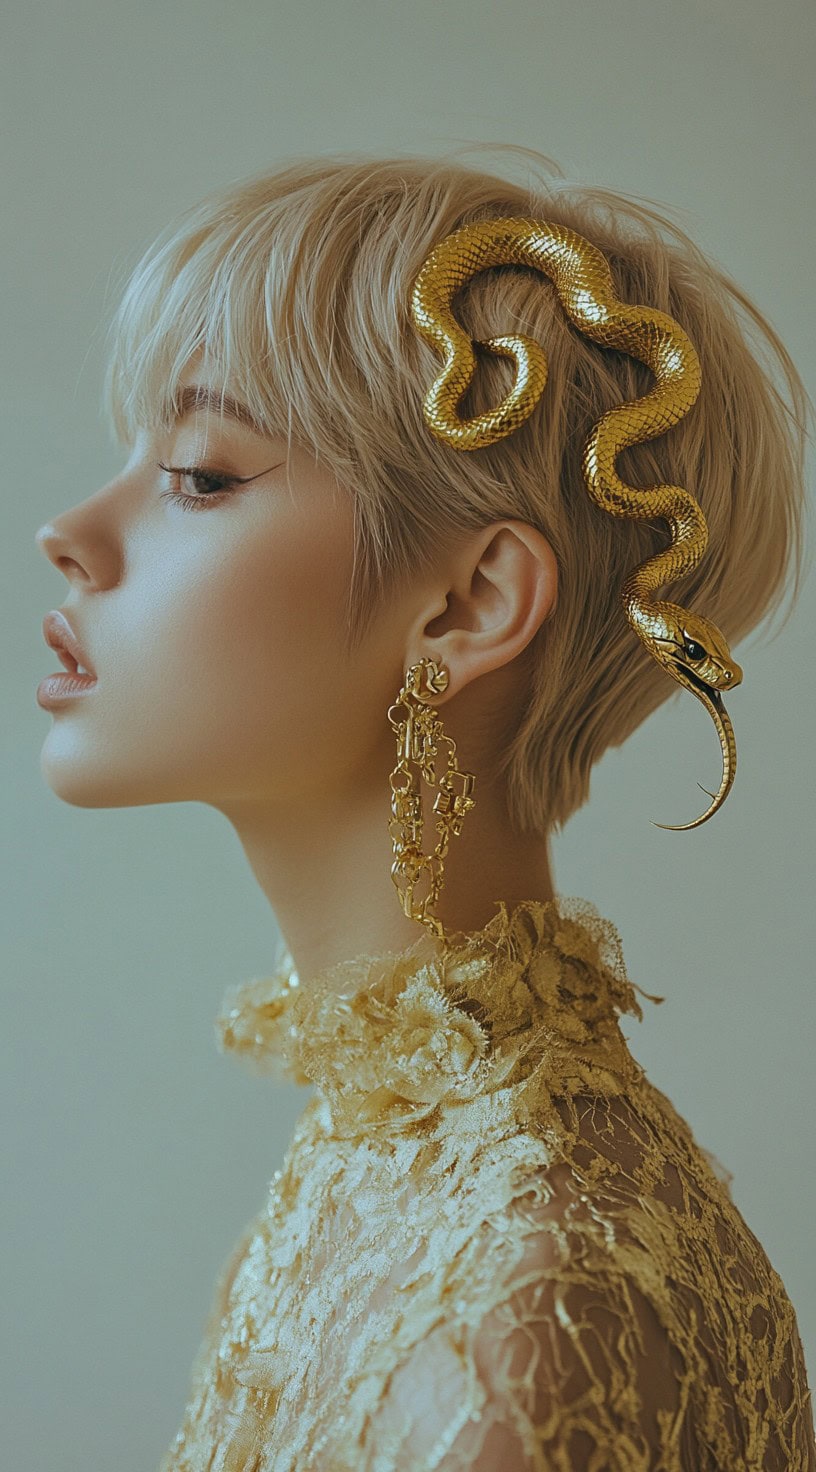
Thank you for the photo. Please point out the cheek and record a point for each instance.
(260, 661)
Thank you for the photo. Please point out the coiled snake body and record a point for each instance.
(687, 645)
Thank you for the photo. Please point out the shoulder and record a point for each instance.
(572, 1368)
(574, 1363)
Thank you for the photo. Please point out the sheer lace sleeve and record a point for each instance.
(604, 1348)
(573, 1381)
(573, 1370)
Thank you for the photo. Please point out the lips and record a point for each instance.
(59, 636)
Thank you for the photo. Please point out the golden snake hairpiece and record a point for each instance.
(687, 645)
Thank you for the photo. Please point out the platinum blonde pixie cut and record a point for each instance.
(295, 285)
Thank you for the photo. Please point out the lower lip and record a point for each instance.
(55, 688)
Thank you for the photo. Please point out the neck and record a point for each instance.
(326, 873)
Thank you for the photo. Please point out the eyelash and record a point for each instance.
(196, 503)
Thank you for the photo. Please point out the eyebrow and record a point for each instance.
(195, 396)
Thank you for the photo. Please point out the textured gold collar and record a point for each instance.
(389, 1037)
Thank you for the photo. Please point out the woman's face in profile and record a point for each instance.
(215, 629)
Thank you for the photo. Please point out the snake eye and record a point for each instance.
(694, 650)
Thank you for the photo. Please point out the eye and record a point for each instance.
(694, 650)
(217, 485)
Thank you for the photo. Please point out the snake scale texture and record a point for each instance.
(687, 645)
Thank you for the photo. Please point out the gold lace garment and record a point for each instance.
(493, 1243)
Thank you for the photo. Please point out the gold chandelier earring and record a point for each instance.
(420, 733)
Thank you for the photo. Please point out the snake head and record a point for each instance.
(692, 650)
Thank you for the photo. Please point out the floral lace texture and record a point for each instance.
(493, 1243)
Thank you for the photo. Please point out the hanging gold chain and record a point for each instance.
(419, 734)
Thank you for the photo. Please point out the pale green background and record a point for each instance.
(135, 1154)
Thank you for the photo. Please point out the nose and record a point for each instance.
(45, 541)
(54, 545)
(48, 541)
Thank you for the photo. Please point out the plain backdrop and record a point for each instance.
(133, 1152)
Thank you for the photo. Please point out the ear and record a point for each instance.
(491, 597)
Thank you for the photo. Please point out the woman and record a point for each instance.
(493, 1243)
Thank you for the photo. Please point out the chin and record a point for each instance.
(79, 781)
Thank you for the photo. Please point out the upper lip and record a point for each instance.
(59, 635)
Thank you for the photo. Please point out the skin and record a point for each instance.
(216, 636)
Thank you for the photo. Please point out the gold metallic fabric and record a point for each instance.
(686, 645)
(492, 1242)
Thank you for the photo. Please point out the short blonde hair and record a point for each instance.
(296, 285)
